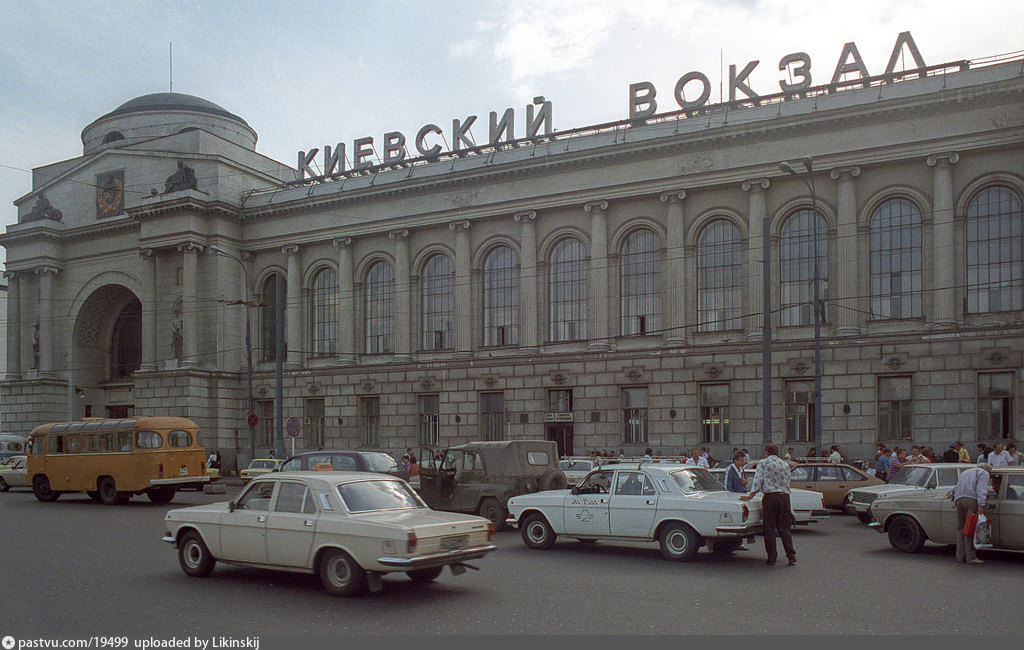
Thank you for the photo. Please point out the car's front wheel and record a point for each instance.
(906, 535)
(194, 557)
(423, 576)
(340, 574)
(537, 532)
(3, 485)
(679, 542)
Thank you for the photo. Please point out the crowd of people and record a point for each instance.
(889, 461)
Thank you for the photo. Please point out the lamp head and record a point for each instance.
(808, 163)
(786, 167)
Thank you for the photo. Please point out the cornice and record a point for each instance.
(189, 203)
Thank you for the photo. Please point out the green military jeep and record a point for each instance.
(480, 477)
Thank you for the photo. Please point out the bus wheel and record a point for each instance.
(160, 495)
(41, 488)
(108, 492)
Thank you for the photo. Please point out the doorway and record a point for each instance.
(561, 434)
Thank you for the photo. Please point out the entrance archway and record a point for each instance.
(106, 349)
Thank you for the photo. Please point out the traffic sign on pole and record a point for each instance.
(252, 420)
(292, 427)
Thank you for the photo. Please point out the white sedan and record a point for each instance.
(349, 527)
(808, 507)
(13, 474)
(681, 507)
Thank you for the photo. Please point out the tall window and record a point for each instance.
(369, 420)
(265, 429)
(799, 411)
(641, 283)
(268, 316)
(438, 283)
(567, 291)
(313, 423)
(501, 297)
(797, 261)
(719, 277)
(560, 400)
(634, 415)
(994, 255)
(714, 412)
(323, 302)
(995, 405)
(379, 290)
(430, 418)
(896, 260)
(895, 408)
(492, 416)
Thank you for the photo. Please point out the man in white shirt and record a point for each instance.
(772, 478)
(969, 497)
(999, 456)
(835, 456)
(696, 459)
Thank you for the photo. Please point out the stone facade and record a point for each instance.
(119, 312)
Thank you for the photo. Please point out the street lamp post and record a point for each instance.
(248, 342)
(809, 166)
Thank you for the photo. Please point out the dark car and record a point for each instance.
(345, 460)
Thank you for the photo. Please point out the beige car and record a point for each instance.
(350, 528)
(913, 518)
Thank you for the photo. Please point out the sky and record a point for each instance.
(305, 74)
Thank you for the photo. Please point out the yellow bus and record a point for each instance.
(113, 459)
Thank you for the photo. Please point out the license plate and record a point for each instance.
(183, 471)
(454, 542)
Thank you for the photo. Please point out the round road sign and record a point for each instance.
(292, 427)
(252, 420)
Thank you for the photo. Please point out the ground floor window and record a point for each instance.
(265, 429)
(313, 422)
(430, 417)
(492, 416)
(634, 415)
(714, 412)
(799, 411)
(995, 405)
(895, 407)
(369, 420)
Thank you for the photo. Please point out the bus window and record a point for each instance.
(56, 444)
(105, 441)
(73, 443)
(124, 441)
(179, 438)
(148, 440)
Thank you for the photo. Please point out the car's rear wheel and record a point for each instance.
(905, 534)
(725, 546)
(537, 532)
(194, 557)
(423, 576)
(493, 512)
(679, 542)
(41, 488)
(160, 495)
(340, 574)
(863, 517)
(3, 485)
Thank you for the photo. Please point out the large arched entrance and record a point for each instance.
(106, 350)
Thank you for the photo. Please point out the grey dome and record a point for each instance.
(171, 102)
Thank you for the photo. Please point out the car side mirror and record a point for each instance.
(231, 506)
(575, 489)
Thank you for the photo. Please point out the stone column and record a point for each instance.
(528, 282)
(674, 278)
(597, 280)
(844, 296)
(403, 296)
(148, 258)
(463, 291)
(758, 210)
(190, 303)
(346, 303)
(46, 337)
(13, 326)
(943, 249)
(293, 309)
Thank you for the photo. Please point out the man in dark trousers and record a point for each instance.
(772, 478)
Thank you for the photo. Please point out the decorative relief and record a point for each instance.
(490, 381)
(894, 363)
(42, 210)
(313, 388)
(367, 387)
(262, 391)
(426, 383)
(559, 378)
(634, 373)
(109, 194)
(997, 357)
(800, 367)
(713, 371)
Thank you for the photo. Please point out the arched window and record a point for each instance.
(896, 260)
(379, 290)
(719, 277)
(501, 297)
(438, 282)
(268, 316)
(567, 291)
(323, 307)
(994, 256)
(640, 273)
(126, 341)
(797, 243)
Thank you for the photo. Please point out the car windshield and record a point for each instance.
(365, 496)
(916, 476)
(697, 480)
(575, 465)
(262, 464)
(380, 462)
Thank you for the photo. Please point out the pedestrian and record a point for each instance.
(790, 453)
(622, 453)
(772, 478)
(951, 455)
(1015, 455)
(414, 467)
(882, 464)
(981, 453)
(405, 462)
(969, 497)
(812, 452)
(895, 464)
(271, 454)
(916, 456)
(214, 462)
(696, 459)
(647, 453)
(835, 456)
(999, 456)
(965, 456)
(734, 481)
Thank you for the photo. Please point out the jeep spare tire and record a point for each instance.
(553, 479)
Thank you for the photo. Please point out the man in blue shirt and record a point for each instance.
(969, 497)
(734, 481)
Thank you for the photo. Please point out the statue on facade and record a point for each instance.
(35, 345)
(177, 334)
(43, 210)
(183, 179)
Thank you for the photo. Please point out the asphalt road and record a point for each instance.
(77, 568)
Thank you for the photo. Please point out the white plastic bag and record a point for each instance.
(983, 533)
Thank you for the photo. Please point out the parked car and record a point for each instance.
(911, 478)
(682, 507)
(576, 468)
(11, 445)
(913, 517)
(832, 480)
(349, 527)
(345, 460)
(258, 467)
(480, 477)
(13, 474)
(808, 507)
